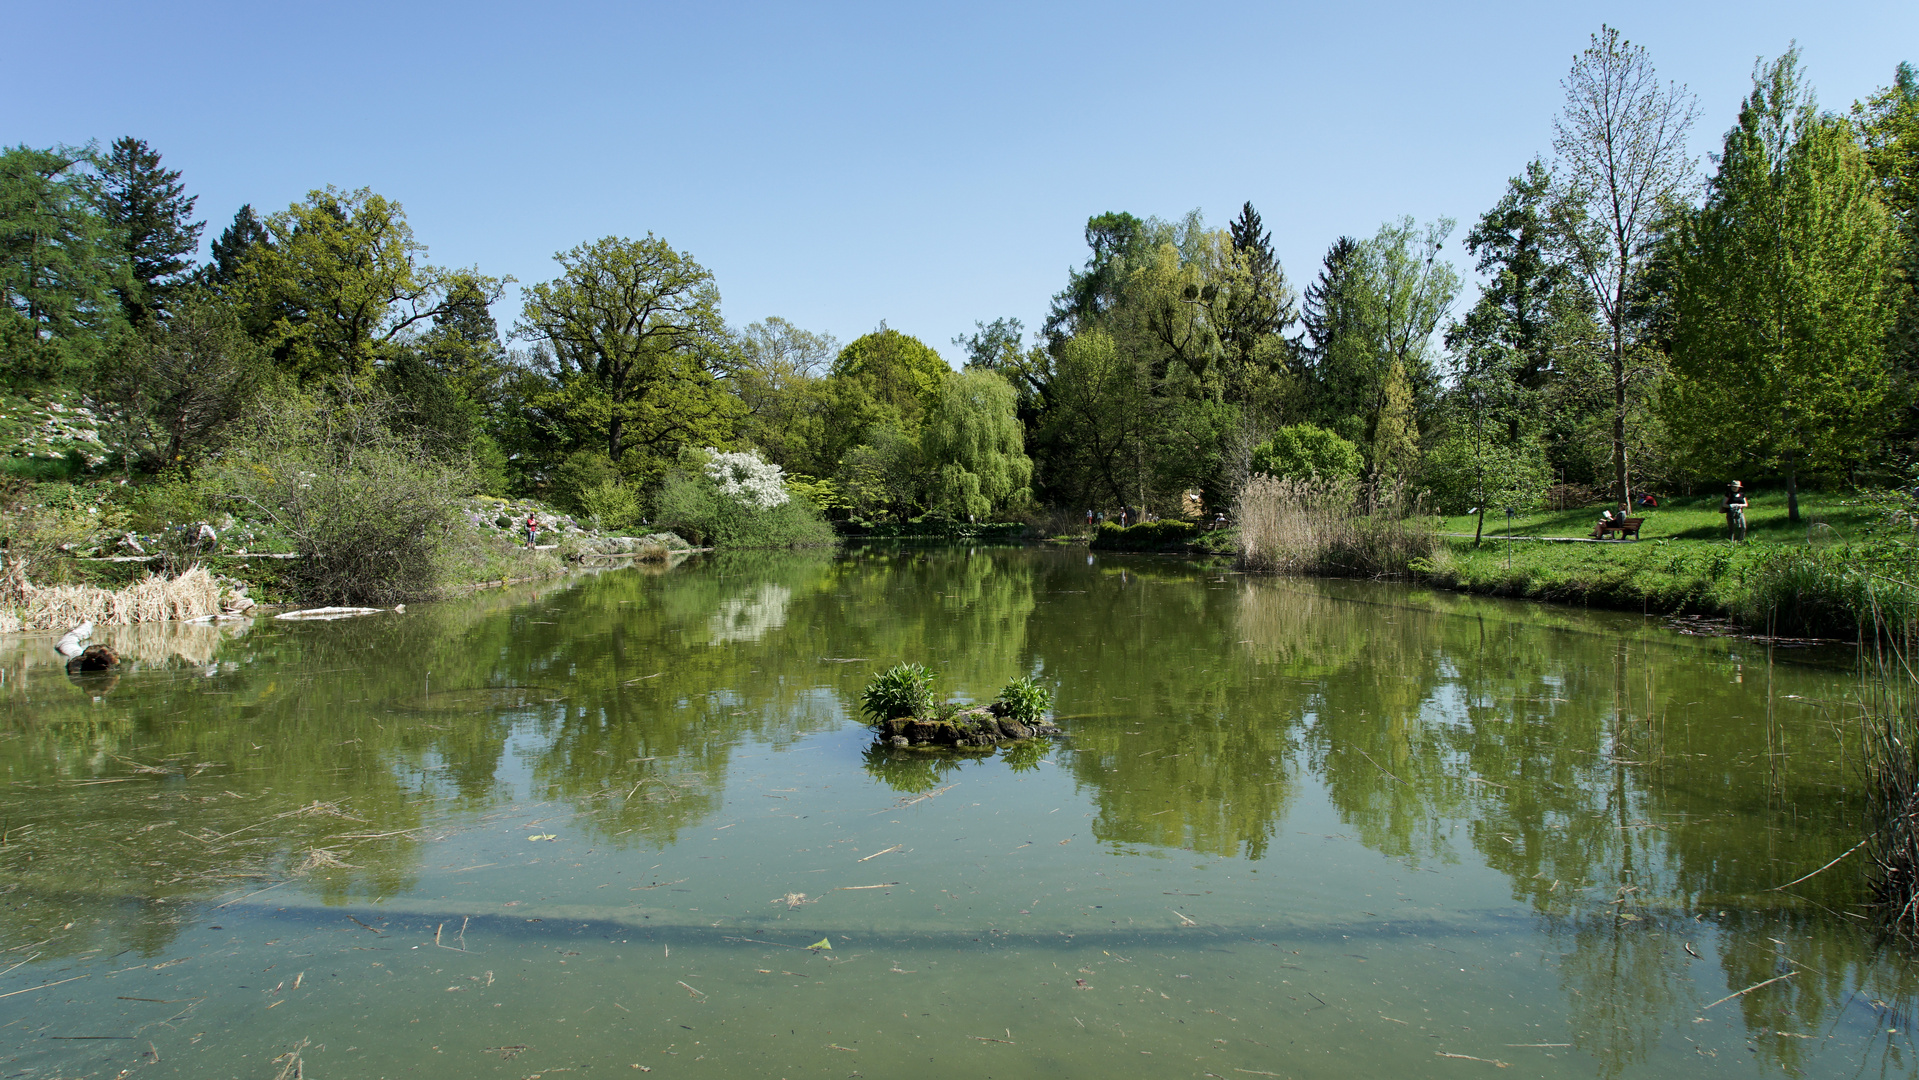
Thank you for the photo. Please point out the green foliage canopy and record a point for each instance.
(974, 447)
(636, 351)
(1785, 294)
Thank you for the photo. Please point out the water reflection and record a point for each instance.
(1642, 797)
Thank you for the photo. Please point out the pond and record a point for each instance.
(612, 824)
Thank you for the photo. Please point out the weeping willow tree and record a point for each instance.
(974, 446)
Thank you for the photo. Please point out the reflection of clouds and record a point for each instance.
(748, 618)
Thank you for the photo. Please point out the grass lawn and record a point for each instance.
(1694, 517)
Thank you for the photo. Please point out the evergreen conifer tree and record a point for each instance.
(150, 214)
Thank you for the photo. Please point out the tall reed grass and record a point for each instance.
(26, 606)
(1835, 591)
(1890, 710)
(1293, 526)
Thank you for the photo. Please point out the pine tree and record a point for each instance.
(150, 214)
(234, 244)
(1258, 305)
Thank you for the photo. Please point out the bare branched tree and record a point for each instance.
(1622, 163)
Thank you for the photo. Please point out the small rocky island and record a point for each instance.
(901, 706)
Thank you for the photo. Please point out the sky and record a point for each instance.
(842, 164)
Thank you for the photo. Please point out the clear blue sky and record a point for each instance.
(839, 164)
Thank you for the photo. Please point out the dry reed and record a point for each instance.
(191, 595)
(1315, 527)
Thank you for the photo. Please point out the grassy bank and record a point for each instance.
(1697, 517)
(1789, 589)
(1839, 567)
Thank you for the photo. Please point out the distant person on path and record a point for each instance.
(1734, 507)
(532, 529)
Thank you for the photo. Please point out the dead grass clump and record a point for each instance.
(190, 595)
(1293, 526)
(316, 809)
(322, 859)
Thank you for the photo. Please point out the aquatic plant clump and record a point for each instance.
(901, 690)
(1026, 700)
(907, 713)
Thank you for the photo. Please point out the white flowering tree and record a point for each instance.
(745, 477)
(738, 500)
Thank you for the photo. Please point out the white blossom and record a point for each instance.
(744, 476)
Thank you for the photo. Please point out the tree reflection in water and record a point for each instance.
(1641, 794)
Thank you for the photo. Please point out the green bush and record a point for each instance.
(610, 505)
(691, 504)
(1146, 536)
(899, 691)
(369, 512)
(1307, 452)
(40, 524)
(1026, 700)
(581, 472)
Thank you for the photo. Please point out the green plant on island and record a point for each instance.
(899, 691)
(1025, 700)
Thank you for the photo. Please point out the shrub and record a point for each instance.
(729, 502)
(1307, 452)
(41, 523)
(581, 472)
(610, 505)
(370, 514)
(1146, 536)
(1026, 700)
(901, 690)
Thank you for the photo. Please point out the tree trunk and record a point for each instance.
(1619, 424)
(1479, 529)
(1792, 490)
(613, 434)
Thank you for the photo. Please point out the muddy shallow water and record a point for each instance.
(1298, 829)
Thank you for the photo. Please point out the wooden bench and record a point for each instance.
(1625, 527)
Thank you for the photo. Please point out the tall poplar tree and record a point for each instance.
(1786, 290)
(1888, 124)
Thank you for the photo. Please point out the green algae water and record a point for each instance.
(632, 822)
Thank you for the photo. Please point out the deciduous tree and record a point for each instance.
(1785, 294)
(637, 347)
(341, 282)
(58, 266)
(973, 447)
(1621, 147)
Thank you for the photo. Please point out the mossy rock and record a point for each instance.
(981, 727)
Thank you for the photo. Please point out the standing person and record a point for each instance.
(1089, 518)
(1734, 507)
(532, 528)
